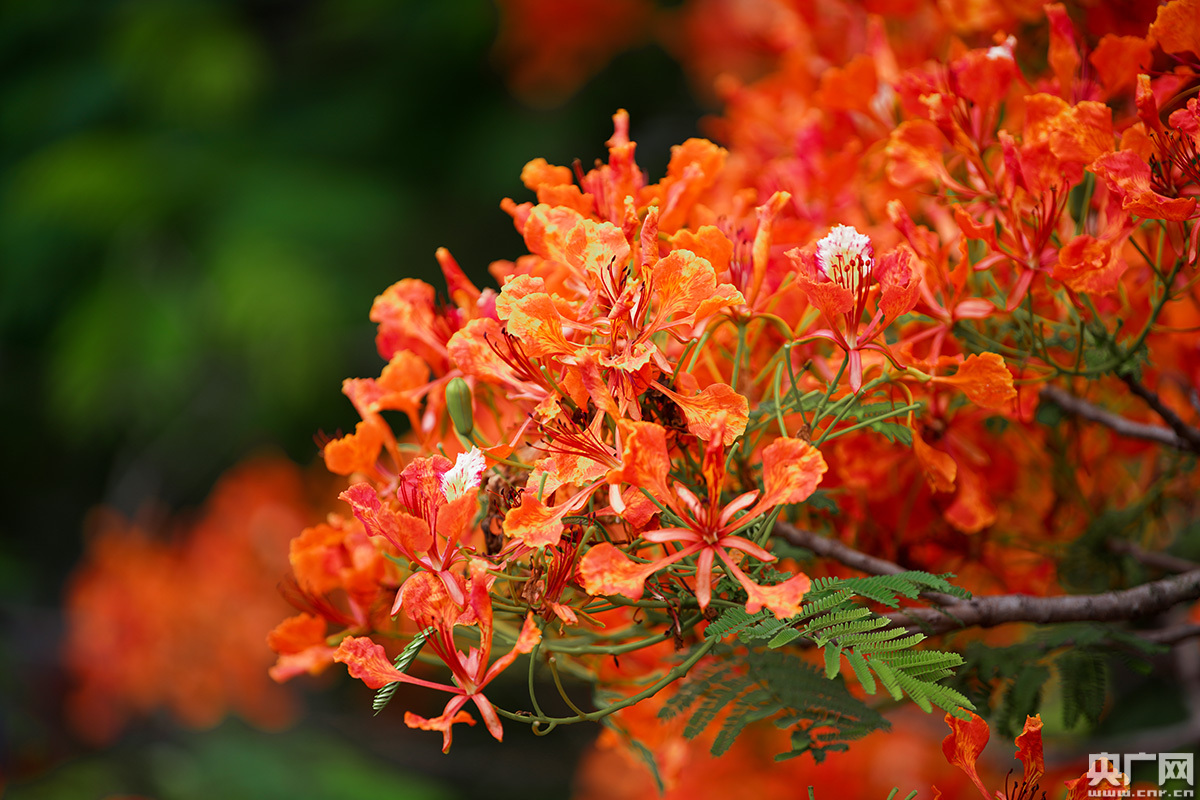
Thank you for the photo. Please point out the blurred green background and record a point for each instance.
(199, 200)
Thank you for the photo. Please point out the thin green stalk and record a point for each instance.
(783, 431)
(832, 388)
(670, 677)
(840, 416)
(558, 685)
(739, 354)
(787, 360)
(865, 423)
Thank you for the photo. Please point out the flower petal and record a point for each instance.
(964, 744)
(406, 532)
(450, 717)
(792, 469)
(300, 643)
(1129, 176)
(901, 286)
(783, 599)
(427, 601)
(606, 570)
(1088, 264)
(972, 510)
(702, 410)
(1177, 27)
(1029, 749)
(358, 451)
(644, 459)
(940, 468)
(535, 320)
(368, 662)
(914, 153)
(1118, 61)
(535, 523)
(985, 380)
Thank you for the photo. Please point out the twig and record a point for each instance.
(1163, 561)
(1184, 431)
(831, 548)
(987, 612)
(844, 554)
(1172, 635)
(1126, 427)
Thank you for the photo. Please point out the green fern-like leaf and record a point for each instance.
(646, 756)
(879, 640)
(733, 620)
(713, 703)
(1014, 677)
(385, 694)
(694, 687)
(862, 671)
(1084, 679)
(1024, 693)
(835, 618)
(751, 686)
(751, 707)
(783, 637)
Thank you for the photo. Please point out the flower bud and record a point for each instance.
(459, 404)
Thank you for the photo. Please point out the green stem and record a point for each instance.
(783, 431)
(670, 677)
(865, 423)
(558, 685)
(787, 359)
(832, 388)
(739, 354)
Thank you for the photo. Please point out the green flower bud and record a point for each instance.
(459, 403)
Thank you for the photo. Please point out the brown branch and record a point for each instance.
(844, 554)
(831, 548)
(1164, 561)
(1126, 427)
(1184, 431)
(989, 611)
(1171, 635)
(954, 613)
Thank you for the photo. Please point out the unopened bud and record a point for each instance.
(459, 404)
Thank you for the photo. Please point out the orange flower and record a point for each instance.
(963, 745)
(443, 501)
(1176, 28)
(967, 739)
(1130, 178)
(426, 601)
(839, 276)
(791, 471)
(300, 643)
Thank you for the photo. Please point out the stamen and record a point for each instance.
(847, 258)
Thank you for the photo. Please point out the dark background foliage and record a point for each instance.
(198, 202)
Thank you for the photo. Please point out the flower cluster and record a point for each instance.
(837, 306)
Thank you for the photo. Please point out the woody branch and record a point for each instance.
(1121, 425)
(984, 612)
(1189, 435)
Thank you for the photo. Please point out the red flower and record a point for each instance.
(426, 601)
(839, 275)
(791, 471)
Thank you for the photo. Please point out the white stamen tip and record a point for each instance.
(464, 475)
(846, 257)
